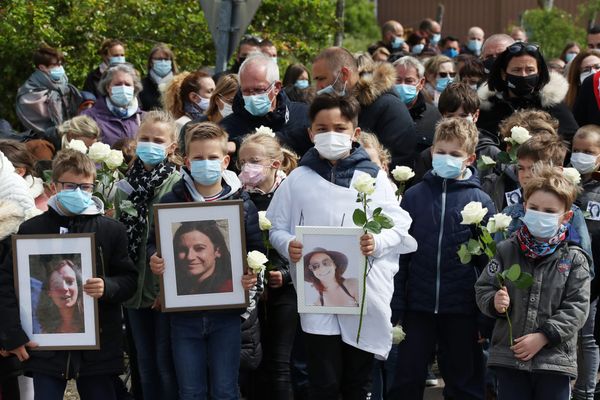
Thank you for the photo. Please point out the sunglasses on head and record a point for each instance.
(520, 46)
(447, 74)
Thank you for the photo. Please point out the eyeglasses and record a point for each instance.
(240, 164)
(254, 92)
(324, 263)
(86, 187)
(520, 46)
(446, 74)
(589, 68)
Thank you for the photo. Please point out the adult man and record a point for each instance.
(268, 48)
(492, 47)
(47, 99)
(392, 38)
(475, 38)
(450, 47)
(593, 37)
(518, 34)
(431, 30)
(382, 112)
(260, 101)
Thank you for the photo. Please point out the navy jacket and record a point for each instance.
(433, 279)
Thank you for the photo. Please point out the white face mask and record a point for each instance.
(226, 110)
(584, 75)
(203, 103)
(333, 145)
(584, 163)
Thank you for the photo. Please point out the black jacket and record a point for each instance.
(426, 116)
(113, 265)
(586, 109)
(150, 95)
(289, 121)
(92, 81)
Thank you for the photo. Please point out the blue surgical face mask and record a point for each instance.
(397, 42)
(116, 60)
(301, 84)
(274, 59)
(57, 73)
(75, 201)
(540, 224)
(435, 39)
(406, 92)
(330, 89)
(417, 48)
(441, 83)
(121, 95)
(475, 46)
(569, 57)
(259, 104)
(447, 166)
(206, 172)
(150, 153)
(451, 52)
(162, 67)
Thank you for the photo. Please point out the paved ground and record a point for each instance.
(435, 393)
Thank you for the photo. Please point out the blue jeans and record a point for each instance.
(587, 358)
(151, 334)
(96, 387)
(514, 384)
(206, 345)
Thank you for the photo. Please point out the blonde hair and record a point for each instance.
(206, 131)
(535, 121)
(588, 132)
(432, 65)
(171, 99)
(162, 117)
(273, 150)
(458, 129)
(69, 160)
(227, 84)
(80, 125)
(369, 140)
(550, 179)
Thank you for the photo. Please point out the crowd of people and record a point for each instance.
(485, 121)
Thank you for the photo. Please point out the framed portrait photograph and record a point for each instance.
(204, 248)
(50, 271)
(329, 276)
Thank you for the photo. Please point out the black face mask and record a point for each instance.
(488, 63)
(522, 85)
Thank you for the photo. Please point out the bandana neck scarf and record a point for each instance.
(534, 248)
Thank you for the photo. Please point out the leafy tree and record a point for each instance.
(552, 29)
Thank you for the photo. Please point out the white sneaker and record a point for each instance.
(431, 382)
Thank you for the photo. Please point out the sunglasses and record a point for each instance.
(447, 74)
(520, 46)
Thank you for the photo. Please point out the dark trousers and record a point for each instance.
(337, 369)
(514, 384)
(460, 356)
(97, 387)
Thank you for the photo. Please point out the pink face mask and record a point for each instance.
(252, 174)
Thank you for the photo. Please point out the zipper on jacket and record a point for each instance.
(68, 366)
(439, 251)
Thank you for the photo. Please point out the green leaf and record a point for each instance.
(359, 217)
(47, 176)
(504, 158)
(463, 254)
(525, 281)
(514, 272)
(486, 237)
(492, 247)
(385, 221)
(127, 207)
(377, 211)
(373, 226)
(474, 247)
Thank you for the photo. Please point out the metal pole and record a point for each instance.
(222, 42)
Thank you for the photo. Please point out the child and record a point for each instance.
(264, 163)
(207, 343)
(434, 297)
(545, 317)
(152, 174)
(75, 210)
(319, 192)
(378, 154)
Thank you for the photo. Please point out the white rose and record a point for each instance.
(256, 261)
(473, 213)
(365, 184)
(402, 174)
(114, 159)
(78, 145)
(263, 221)
(572, 175)
(519, 135)
(398, 334)
(99, 151)
(265, 130)
(498, 223)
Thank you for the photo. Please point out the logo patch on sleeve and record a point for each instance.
(493, 267)
(564, 266)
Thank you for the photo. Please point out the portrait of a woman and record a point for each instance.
(202, 259)
(60, 306)
(324, 270)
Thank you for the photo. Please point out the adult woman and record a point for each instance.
(296, 84)
(79, 128)
(116, 111)
(161, 67)
(60, 306)
(585, 64)
(187, 97)
(112, 52)
(203, 262)
(519, 79)
(569, 52)
(324, 269)
(439, 72)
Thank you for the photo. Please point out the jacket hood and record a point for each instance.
(553, 93)
(375, 80)
(358, 159)
(11, 216)
(486, 138)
